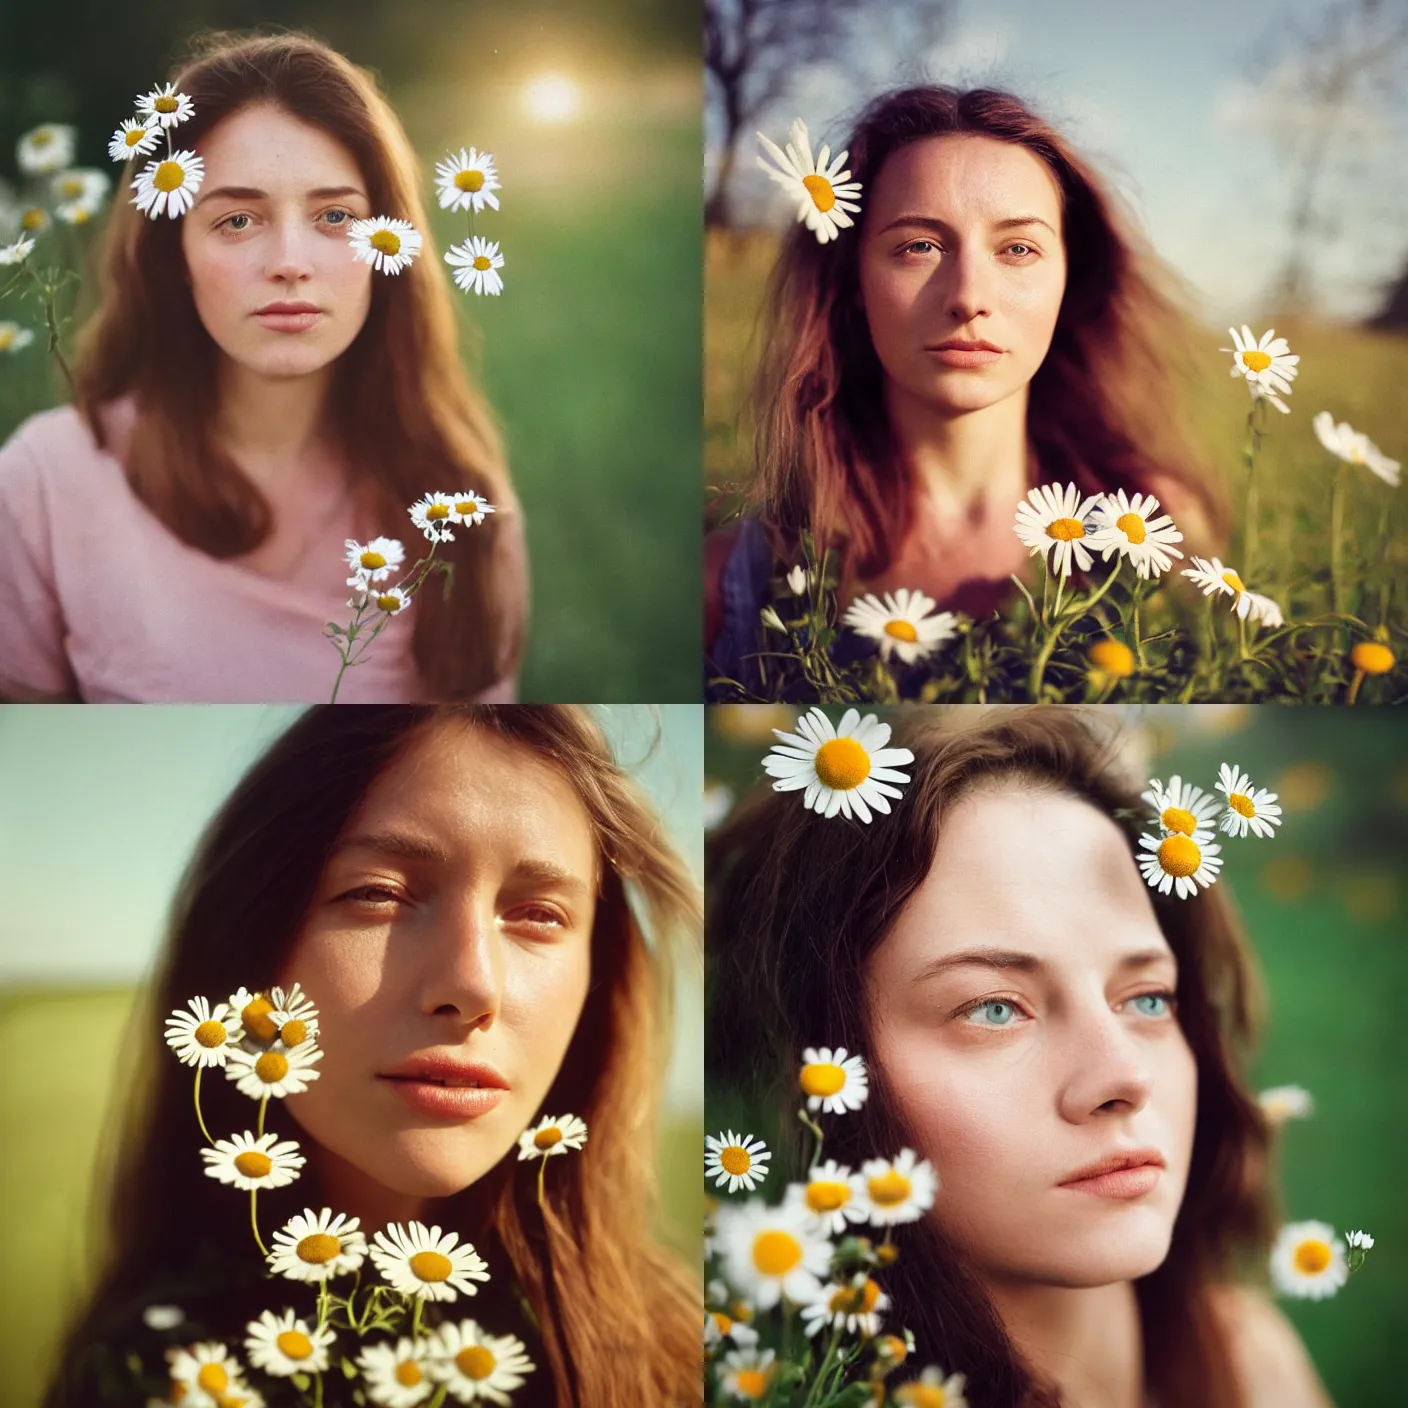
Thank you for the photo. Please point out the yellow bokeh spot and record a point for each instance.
(431, 1266)
(257, 1021)
(1312, 1257)
(253, 1164)
(889, 1189)
(1132, 525)
(170, 176)
(819, 189)
(475, 1362)
(892, 1349)
(1114, 657)
(408, 1373)
(825, 1196)
(1065, 530)
(1303, 786)
(71, 187)
(212, 1378)
(721, 1322)
(1179, 855)
(372, 560)
(751, 723)
(1241, 804)
(735, 1160)
(1233, 581)
(33, 219)
(922, 1396)
(1179, 820)
(483, 262)
(901, 630)
(7, 337)
(842, 763)
(1371, 898)
(1371, 657)
(271, 1067)
(776, 1253)
(546, 1138)
(750, 1383)
(387, 241)
(210, 1034)
(318, 1249)
(1256, 361)
(822, 1078)
(469, 180)
(294, 1344)
(1287, 877)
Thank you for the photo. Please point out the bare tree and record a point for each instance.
(755, 49)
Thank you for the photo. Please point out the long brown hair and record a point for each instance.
(618, 1317)
(797, 904)
(1103, 409)
(404, 414)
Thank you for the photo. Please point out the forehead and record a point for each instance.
(262, 145)
(961, 178)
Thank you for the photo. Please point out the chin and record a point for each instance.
(1117, 1253)
(959, 393)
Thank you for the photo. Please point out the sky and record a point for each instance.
(1163, 98)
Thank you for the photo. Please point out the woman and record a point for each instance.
(249, 397)
(1029, 1010)
(447, 884)
(991, 323)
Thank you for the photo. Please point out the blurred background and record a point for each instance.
(1260, 149)
(98, 818)
(1324, 905)
(591, 357)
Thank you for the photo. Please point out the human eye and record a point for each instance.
(919, 248)
(995, 1011)
(1027, 251)
(372, 896)
(338, 217)
(230, 223)
(1153, 1004)
(537, 915)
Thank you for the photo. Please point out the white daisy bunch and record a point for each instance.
(833, 1196)
(164, 107)
(203, 1035)
(846, 770)
(1266, 365)
(904, 623)
(1354, 447)
(1179, 862)
(467, 182)
(825, 196)
(1136, 530)
(316, 1246)
(475, 1366)
(133, 137)
(832, 1081)
(738, 1160)
(46, 149)
(424, 1262)
(1249, 808)
(769, 1253)
(898, 1190)
(168, 186)
(251, 1162)
(284, 1345)
(387, 244)
(274, 1074)
(476, 263)
(374, 561)
(1181, 807)
(1059, 521)
(1215, 579)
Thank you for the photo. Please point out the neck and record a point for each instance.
(960, 460)
(1087, 1341)
(270, 423)
(348, 1189)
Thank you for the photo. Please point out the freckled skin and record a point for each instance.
(290, 247)
(1008, 1101)
(471, 958)
(921, 287)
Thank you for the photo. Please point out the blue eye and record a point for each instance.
(1152, 1004)
(1000, 1013)
(341, 213)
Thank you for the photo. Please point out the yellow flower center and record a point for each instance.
(1114, 657)
(387, 241)
(318, 1248)
(1312, 1257)
(1176, 819)
(1371, 657)
(431, 1266)
(437, 511)
(742, 1311)
(389, 602)
(469, 180)
(32, 219)
(80, 216)
(1233, 581)
(750, 1383)
(134, 135)
(210, 1034)
(408, 1373)
(819, 189)
(922, 1396)
(167, 104)
(822, 1078)
(889, 1189)
(901, 630)
(1132, 526)
(475, 1362)
(776, 1253)
(212, 1378)
(825, 1196)
(1256, 361)
(372, 559)
(294, 1344)
(293, 1032)
(1179, 855)
(253, 1164)
(170, 176)
(891, 1348)
(7, 336)
(546, 1138)
(721, 1322)
(256, 1020)
(842, 763)
(271, 1067)
(71, 187)
(852, 1300)
(42, 138)
(1241, 804)
(886, 1254)
(1065, 529)
(467, 506)
(735, 1160)
(482, 262)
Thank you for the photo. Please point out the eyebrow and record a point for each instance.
(927, 222)
(254, 193)
(405, 846)
(1015, 960)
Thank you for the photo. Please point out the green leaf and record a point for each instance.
(348, 1367)
(301, 1382)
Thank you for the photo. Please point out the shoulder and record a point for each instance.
(1270, 1360)
(58, 445)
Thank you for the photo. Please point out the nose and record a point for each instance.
(964, 287)
(1107, 1069)
(290, 259)
(465, 978)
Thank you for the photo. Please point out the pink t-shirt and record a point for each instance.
(100, 596)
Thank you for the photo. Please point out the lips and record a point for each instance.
(288, 308)
(1124, 1176)
(447, 1071)
(958, 344)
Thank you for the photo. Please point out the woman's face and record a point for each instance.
(269, 232)
(453, 920)
(1023, 1017)
(961, 242)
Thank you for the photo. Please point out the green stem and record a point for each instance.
(439, 1396)
(542, 1173)
(254, 1221)
(318, 1390)
(1354, 686)
(51, 324)
(1337, 539)
(415, 1318)
(337, 683)
(200, 1118)
(1241, 637)
(815, 1128)
(1249, 449)
(1138, 639)
(323, 1304)
(821, 1371)
(263, 1105)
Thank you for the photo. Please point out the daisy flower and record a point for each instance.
(418, 1261)
(826, 196)
(898, 1190)
(283, 1345)
(133, 138)
(1267, 366)
(292, 1013)
(747, 1373)
(1359, 1239)
(1213, 577)
(250, 1163)
(1179, 863)
(852, 1309)
(552, 1136)
(901, 623)
(771, 1252)
(932, 1390)
(386, 244)
(467, 181)
(476, 263)
(274, 1073)
(719, 1326)
(735, 1159)
(832, 1081)
(433, 516)
(1354, 447)
(169, 185)
(476, 1366)
(318, 1246)
(13, 337)
(79, 194)
(831, 1197)
(17, 252)
(207, 1368)
(204, 1035)
(1286, 1102)
(374, 561)
(1051, 517)
(395, 1377)
(1129, 527)
(847, 769)
(1180, 807)
(391, 600)
(1248, 808)
(1308, 1261)
(798, 581)
(44, 150)
(165, 107)
(255, 1013)
(469, 508)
